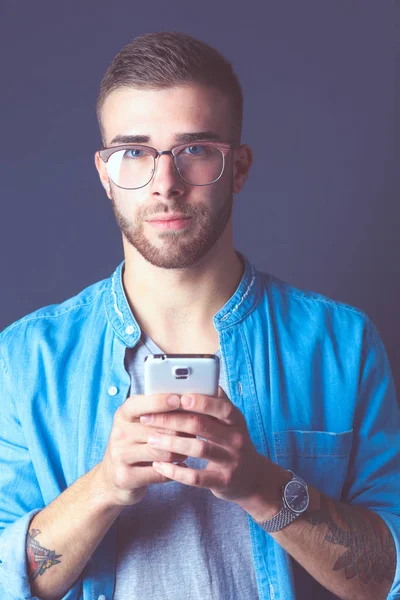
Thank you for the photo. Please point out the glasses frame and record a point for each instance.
(223, 147)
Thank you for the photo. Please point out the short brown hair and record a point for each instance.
(165, 59)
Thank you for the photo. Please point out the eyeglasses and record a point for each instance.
(132, 166)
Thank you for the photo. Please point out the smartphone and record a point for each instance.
(181, 374)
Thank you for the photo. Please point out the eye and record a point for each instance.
(134, 153)
(195, 150)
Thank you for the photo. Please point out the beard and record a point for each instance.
(175, 252)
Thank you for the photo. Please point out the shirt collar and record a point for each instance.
(240, 304)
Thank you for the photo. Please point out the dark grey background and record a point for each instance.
(321, 207)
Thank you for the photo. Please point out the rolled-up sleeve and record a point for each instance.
(20, 495)
(14, 581)
(374, 473)
(13, 574)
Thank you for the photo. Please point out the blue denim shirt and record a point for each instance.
(310, 375)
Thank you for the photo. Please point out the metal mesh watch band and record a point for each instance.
(279, 521)
(284, 517)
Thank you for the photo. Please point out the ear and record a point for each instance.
(102, 171)
(242, 161)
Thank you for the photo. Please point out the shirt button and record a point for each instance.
(130, 329)
(113, 391)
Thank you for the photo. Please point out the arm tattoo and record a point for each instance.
(370, 554)
(39, 559)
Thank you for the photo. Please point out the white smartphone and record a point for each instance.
(181, 374)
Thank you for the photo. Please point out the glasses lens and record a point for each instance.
(131, 168)
(199, 165)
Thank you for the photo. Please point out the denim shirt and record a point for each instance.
(310, 375)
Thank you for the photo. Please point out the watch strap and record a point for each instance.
(285, 516)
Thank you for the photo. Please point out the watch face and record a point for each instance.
(296, 496)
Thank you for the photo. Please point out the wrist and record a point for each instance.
(108, 494)
(101, 491)
(266, 501)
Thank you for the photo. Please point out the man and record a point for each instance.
(285, 485)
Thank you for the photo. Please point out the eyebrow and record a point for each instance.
(179, 137)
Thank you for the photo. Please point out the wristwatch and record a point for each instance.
(295, 501)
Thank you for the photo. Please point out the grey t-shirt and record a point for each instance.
(181, 542)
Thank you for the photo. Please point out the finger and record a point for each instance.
(138, 405)
(195, 448)
(192, 424)
(133, 478)
(219, 407)
(201, 478)
(144, 453)
(132, 433)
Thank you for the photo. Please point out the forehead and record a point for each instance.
(160, 114)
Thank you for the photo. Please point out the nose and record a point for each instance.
(166, 181)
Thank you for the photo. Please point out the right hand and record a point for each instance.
(126, 468)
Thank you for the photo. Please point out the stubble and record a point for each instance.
(178, 249)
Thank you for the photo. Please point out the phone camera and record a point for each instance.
(181, 372)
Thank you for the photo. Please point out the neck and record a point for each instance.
(180, 304)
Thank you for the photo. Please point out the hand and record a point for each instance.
(235, 470)
(126, 469)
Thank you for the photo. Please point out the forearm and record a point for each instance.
(67, 532)
(348, 549)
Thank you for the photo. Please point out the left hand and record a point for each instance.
(235, 470)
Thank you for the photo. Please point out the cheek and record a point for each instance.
(129, 206)
(127, 200)
(125, 215)
(139, 198)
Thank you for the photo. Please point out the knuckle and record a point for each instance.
(228, 409)
(120, 478)
(160, 420)
(161, 431)
(173, 471)
(194, 479)
(195, 423)
(238, 440)
(118, 415)
(206, 404)
(117, 433)
(228, 479)
(123, 408)
(235, 465)
(115, 452)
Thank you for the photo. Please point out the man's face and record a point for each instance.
(160, 115)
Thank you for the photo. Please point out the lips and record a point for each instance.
(169, 218)
(172, 222)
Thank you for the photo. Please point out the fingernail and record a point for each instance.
(173, 401)
(146, 418)
(187, 401)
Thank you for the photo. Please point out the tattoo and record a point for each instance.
(370, 554)
(40, 559)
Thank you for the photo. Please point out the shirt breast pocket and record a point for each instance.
(320, 457)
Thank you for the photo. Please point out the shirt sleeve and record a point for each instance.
(373, 476)
(20, 498)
